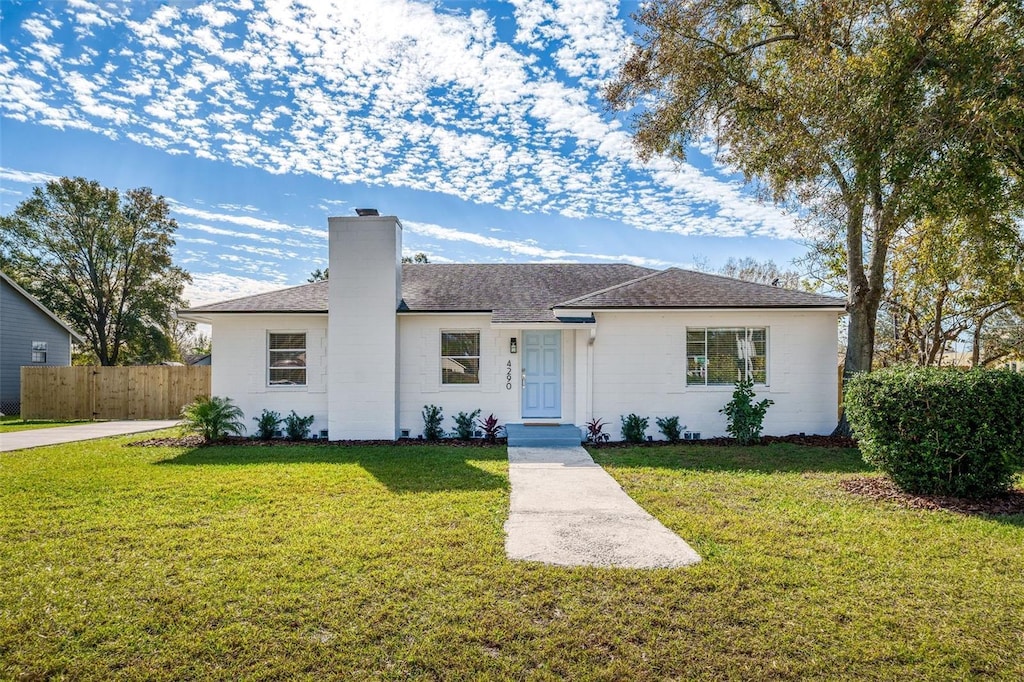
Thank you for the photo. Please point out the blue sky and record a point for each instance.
(479, 124)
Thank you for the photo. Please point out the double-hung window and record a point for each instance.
(39, 351)
(723, 356)
(460, 357)
(286, 358)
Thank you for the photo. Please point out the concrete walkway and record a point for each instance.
(34, 438)
(567, 510)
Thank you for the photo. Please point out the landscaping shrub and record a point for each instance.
(296, 427)
(213, 417)
(634, 428)
(595, 431)
(465, 424)
(266, 424)
(669, 427)
(491, 428)
(744, 417)
(940, 431)
(432, 418)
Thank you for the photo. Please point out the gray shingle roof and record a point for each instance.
(307, 298)
(529, 287)
(527, 292)
(675, 288)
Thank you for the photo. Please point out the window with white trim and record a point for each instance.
(39, 351)
(286, 358)
(723, 356)
(460, 357)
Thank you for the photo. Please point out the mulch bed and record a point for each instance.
(180, 442)
(795, 439)
(193, 441)
(883, 489)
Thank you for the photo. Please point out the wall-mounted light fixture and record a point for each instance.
(513, 346)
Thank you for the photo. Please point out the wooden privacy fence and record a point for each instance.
(143, 392)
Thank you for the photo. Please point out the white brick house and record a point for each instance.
(365, 351)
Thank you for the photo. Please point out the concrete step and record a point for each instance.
(537, 436)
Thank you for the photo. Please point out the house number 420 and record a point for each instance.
(508, 375)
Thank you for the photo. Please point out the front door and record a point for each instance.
(542, 375)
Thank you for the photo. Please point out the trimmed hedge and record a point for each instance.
(940, 431)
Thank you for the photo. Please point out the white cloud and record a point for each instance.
(26, 177)
(384, 92)
(212, 287)
(528, 247)
(244, 220)
(38, 28)
(591, 39)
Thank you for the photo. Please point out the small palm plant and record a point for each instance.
(267, 423)
(213, 418)
(432, 418)
(465, 423)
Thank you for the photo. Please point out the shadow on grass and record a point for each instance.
(767, 459)
(408, 469)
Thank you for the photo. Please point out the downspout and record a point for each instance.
(590, 374)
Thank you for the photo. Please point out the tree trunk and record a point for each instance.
(865, 297)
(976, 336)
(860, 348)
(976, 346)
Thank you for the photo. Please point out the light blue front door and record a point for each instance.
(542, 375)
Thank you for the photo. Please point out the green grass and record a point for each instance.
(12, 422)
(245, 562)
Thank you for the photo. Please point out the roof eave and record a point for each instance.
(194, 314)
(559, 324)
(444, 312)
(576, 312)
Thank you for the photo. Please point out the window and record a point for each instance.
(38, 351)
(460, 357)
(287, 358)
(721, 357)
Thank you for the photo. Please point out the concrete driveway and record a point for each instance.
(34, 438)
(566, 510)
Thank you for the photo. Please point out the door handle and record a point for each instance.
(524, 378)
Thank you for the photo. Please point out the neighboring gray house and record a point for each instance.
(29, 335)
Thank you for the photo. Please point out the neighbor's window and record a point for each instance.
(721, 357)
(39, 351)
(460, 357)
(287, 358)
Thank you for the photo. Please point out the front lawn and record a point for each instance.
(360, 562)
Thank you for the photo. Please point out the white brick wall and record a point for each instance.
(420, 371)
(640, 366)
(239, 366)
(363, 329)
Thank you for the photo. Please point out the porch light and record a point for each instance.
(513, 346)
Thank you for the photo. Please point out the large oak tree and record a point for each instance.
(101, 260)
(862, 115)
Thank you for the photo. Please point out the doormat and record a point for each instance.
(539, 424)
